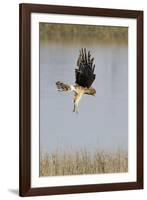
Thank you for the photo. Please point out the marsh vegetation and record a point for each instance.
(81, 33)
(82, 162)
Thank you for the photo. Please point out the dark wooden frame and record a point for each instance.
(25, 99)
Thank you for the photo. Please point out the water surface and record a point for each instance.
(102, 121)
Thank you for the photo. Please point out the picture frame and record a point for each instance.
(25, 98)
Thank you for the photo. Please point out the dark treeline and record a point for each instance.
(80, 33)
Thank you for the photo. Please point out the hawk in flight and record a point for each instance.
(84, 75)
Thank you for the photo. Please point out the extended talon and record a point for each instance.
(75, 109)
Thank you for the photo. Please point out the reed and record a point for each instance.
(82, 162)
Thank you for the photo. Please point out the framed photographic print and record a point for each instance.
(81, 99)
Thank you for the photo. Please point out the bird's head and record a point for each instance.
(92, 91)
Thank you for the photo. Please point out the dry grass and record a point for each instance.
(82, 162)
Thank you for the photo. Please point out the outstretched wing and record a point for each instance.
(85, 71)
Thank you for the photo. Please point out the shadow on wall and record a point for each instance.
(14, 191)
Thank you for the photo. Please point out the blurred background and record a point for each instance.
(78, 33)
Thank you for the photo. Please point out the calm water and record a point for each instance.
(102, 121)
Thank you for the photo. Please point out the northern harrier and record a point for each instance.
(84, 74)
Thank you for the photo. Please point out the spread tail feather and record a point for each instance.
(63, 87)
